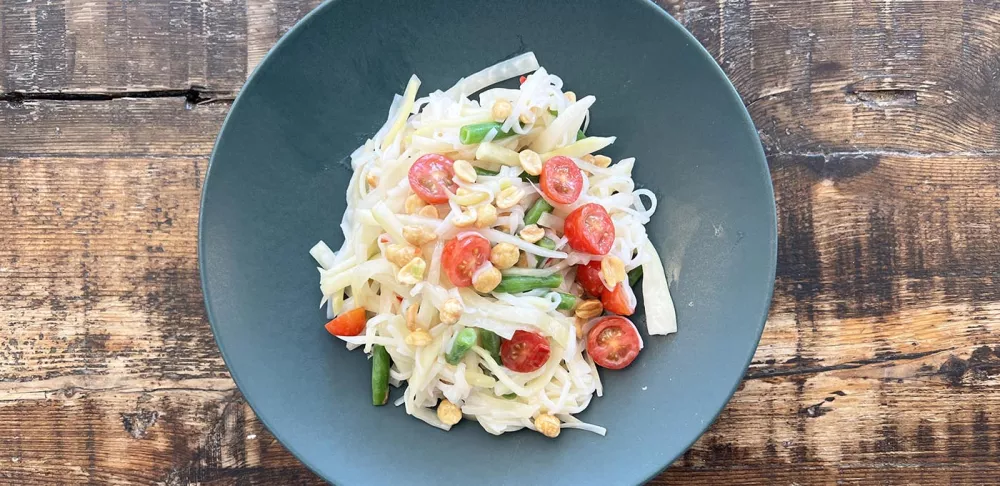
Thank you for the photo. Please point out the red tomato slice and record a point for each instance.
(561, 180)
(618, 300)
(430, 176)
(524, 352)
(589, 229)
(589, 276)
(613, 343)
(462, 256)
(350, 323)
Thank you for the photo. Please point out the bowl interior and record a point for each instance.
(276, 185)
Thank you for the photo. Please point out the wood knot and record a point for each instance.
(136, 423)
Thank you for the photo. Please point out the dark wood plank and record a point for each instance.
(83, 46)
(126, 127)
(101, 299)
(834, 76)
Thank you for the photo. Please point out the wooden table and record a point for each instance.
(879, 364)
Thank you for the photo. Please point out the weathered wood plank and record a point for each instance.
(100, 286)
(81, 46)
(268, 20)
(831, 76)
(75, 45)
(168, 437)
(101, 299)
(126, 127)
(879, 364)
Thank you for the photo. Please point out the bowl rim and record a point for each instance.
(730, 91)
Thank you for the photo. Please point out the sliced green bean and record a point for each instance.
(515, 284)
(580, 135)
(548, 244)
(464, 341)
(489, 341)
(568, 301)
(475, 133)
(485, 172)
(535, 212)
(634, 275)
(380, 375)
(509, 396)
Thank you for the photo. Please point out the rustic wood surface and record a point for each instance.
(880, 363)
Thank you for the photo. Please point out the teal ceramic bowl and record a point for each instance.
(277, 181)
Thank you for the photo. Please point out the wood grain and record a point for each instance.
(879, 364)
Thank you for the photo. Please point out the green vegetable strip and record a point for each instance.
(515, 284)
(536, 211)
(546, 243)
(470, 134)
(634, 275)
(489, 341)
(509, 396)
(485, 172)
(526, 177)
(465, 340)
(580, 135)
(380, 375)
(568, 301)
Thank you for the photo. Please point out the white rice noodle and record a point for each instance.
(571, 422)
(498, 237)
(513, 67)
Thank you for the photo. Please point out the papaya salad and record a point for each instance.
(491, 256)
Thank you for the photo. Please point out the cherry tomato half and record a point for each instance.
(589, 276)
(462, 256)
(430, 175)
(524, 352)
(589, 229)
(561, 180)
(350, 323)
(618, 301)
(613, 343)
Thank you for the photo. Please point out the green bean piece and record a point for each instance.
(580, 135)
(535, 212)
(568, 301)
(516, 284)
(634, 275)
(485, 172)
(509, 396)
(475, 133)
(465, 340)
(380, 375)
(548, 244)
(489, 341)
